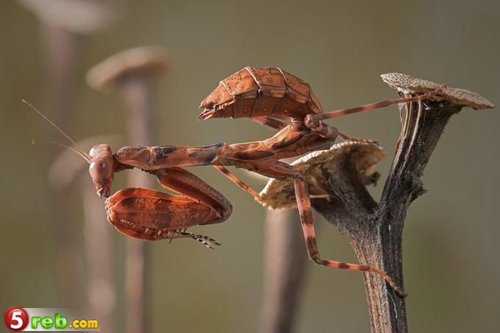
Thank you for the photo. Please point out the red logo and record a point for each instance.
(16, 318)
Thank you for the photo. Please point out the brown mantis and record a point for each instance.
(269, 96)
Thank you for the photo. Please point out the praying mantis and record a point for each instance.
(267, 95)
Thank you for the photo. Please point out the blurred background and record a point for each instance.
(340, 47)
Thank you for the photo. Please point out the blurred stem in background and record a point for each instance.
(63, 49)
(132, 72)
(98, 244)
(140, 124)
(285, 262)
(64, 27)
(100, 282)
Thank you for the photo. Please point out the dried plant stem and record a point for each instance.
(375, 230)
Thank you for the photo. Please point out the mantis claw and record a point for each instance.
(205, 240)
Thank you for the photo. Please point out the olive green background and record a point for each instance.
(452, 271)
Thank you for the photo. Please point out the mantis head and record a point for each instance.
(101, 169)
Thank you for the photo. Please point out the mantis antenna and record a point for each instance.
(81, 153)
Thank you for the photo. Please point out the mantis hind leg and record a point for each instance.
(306, 218)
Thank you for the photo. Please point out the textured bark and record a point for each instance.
(375, 229)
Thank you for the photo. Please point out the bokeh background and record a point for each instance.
(451, 250)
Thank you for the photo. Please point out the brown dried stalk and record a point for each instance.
(375, 229)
